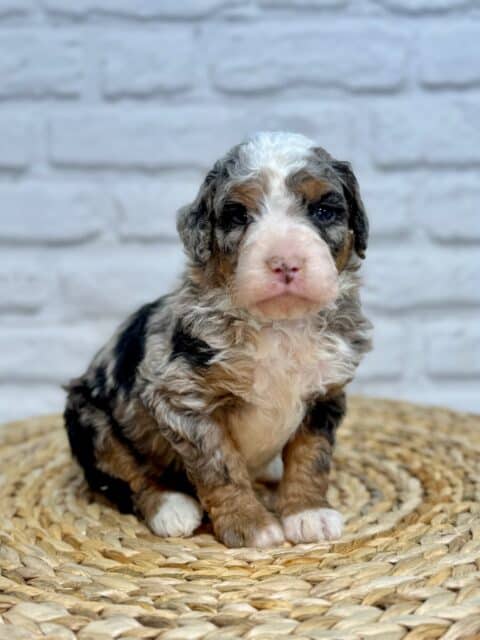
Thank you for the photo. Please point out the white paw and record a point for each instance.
(271, 472)
(270, 536)
(313, 525)
(178, 515)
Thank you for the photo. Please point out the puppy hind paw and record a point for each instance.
(177, 516)
(313, 525)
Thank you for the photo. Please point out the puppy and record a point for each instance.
(238, 375)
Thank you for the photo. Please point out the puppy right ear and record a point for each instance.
(357, 214)
(195, 221)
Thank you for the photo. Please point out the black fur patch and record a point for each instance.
(358, 215)
(130, 347)
(99, 388)
(233, 216)
(195, 351)
(99, 399)
(324, 416)
(81, 437)
(176, 480)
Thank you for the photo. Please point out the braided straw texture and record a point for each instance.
(407, 479)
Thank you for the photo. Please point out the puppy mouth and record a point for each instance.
(286, 305)
(289, 296)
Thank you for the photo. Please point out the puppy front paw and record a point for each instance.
(269, 536)
(313, 525)
(239, 530)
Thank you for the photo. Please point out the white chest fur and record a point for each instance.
(291, 363)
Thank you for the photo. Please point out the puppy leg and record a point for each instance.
(117, 469)
(220, 476)
(305, 513)
(166, 511)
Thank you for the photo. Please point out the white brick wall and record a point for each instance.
(110, 110)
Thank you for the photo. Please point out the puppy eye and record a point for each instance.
(323, 213)
(327, 210)
(236, 214)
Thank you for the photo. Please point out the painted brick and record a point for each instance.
(410, 278)
(35, 65)
(387, 359)
(186, 136)
(16, 143)
(422, 132)
(388, 204)
(449, 210)
(54, 354)
(443, 63)
(110, 284)
(304, 54)
(424, 6)
(168, 137)
(13, 7)
(303, 4)
(24, 285)
(147, 213)
(104, 241)
(453, 349)
(67, 214)
(140, 67)
(142, 9)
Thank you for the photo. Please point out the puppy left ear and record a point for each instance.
(195, 221)
(358, 220)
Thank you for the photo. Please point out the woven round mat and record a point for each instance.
(407, 479)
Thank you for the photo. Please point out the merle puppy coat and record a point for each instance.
(238, 375)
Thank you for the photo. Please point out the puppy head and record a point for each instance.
(278, 218)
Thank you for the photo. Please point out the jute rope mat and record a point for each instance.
(406, 478)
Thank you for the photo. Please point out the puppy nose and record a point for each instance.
(285, 268)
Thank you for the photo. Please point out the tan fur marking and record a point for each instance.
(220, 272)
(249, 193)
(305, 480)
(309, 187)
(114, 459)
(343, 257)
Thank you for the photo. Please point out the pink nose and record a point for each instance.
(286, 269)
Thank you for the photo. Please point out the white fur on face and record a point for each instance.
(277, 234)
(313, 525)
(280, 151)
(178, 515)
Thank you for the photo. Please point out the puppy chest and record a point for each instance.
(287, 369)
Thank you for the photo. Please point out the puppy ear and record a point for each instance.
(195, 221)
(357, 215)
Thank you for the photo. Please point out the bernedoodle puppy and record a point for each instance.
(238, 375)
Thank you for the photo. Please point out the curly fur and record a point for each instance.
(198, 393)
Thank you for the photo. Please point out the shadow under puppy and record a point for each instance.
(238, 374)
